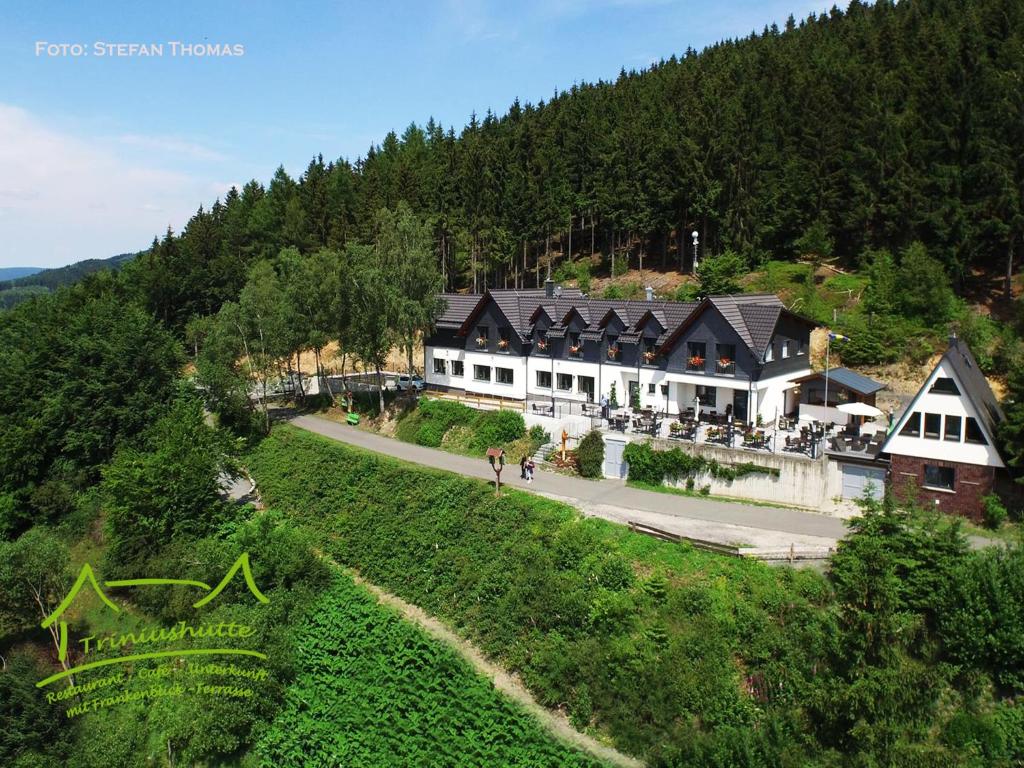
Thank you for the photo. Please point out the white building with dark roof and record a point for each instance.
(727, 354)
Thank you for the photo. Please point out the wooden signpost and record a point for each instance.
(496, 456)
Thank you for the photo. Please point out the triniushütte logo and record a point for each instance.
(134, 646)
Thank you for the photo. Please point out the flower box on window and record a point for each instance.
(696, 361)
(481, 341)
(649, 356)
(575, 349)
(542, 345)
(502, 343)
(613, 353)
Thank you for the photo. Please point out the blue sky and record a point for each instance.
(99, 153)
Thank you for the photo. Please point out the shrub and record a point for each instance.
(590, 454)
(496, 428)
(647, 465)
(539, 436)
(994, 512)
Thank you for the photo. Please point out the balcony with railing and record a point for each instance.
(725, 366)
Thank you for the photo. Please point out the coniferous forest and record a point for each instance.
(886, 139)
(879, 126)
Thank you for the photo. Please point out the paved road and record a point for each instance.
(715, 520)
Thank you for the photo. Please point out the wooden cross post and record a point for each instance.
(496, 456)
(565, 437)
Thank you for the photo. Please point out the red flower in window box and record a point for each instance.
(649, 356)
(502, 343)
(613, 352)
(575, 349)
(696, 360)
(481, 341)
(542, 345)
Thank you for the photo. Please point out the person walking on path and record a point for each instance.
(522, 467)
(530, 466)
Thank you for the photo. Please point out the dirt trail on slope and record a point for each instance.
(555, 722)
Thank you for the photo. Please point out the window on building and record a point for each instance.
(974, 433)
(769, 353)
(585, 386)
(932, 425)
(785, 349)
(649, 351)
(575, 346)
(696, 354)
(913, 426)
(664, 389)
(544, 379)
(650, 389)
(944, 386)
(482, 372)
(503, 375)
(440, 366)
(483, 335)
(801, 347)
(953, 429)
(614, 350)
(565, 382)
(504, 340)
(707, 395)
(457, 368)
(726, 362)
(939, 477)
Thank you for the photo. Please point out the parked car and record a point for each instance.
(406, 383)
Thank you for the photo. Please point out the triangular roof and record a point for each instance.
(973, 386)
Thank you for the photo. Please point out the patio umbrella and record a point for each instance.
(859, 409)
(807, 417)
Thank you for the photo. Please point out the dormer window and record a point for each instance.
(726, 363)
(504, 340)
(483, 334)
(944, 386)
(696, 354)
(769, 354)
(649, 353)
(575, 345)
(542, 342)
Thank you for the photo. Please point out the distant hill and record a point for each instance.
(13, 273)
(14, 291)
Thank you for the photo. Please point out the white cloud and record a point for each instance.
(66, 197)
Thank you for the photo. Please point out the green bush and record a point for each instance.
(538, 436)
(994, 512)
(493, 429)
(590, 454)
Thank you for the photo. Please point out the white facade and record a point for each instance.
(539, 377)
(935, 426)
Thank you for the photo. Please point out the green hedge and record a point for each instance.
(648, 465)
(650, 641)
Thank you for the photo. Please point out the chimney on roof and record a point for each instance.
(954, 342)
(549, 288)
(558, 291)
(650, 293)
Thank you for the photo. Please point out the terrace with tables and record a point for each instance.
(720, 429)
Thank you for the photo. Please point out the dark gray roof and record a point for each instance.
(753, 316)
(975, 384)
(457, 309)
(844, 377)
(760, 321)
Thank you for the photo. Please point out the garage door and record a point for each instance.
(856, 479)
(614, 466)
